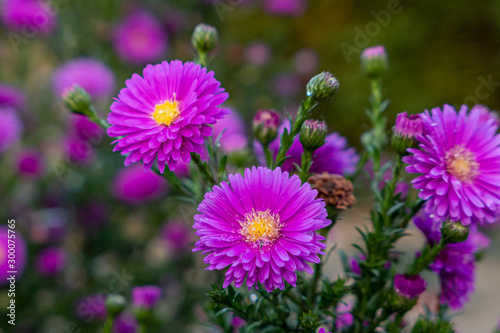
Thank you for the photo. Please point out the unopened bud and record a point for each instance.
(115, 304)
(454, 232)
(322, 87)
(405, 132)
(265, 126)
(77, 100)
(374, 61)
(204, 38)
(313, 134)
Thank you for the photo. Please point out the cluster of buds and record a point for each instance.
(374, 61)
(204, 38)
(322, 87)
(405, 132)
(313, 134)
(265, 126)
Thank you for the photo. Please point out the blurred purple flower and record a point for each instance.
(135, 186)
(125, 323)
(258, 54)
(234, 137)
(51, 261)
(177, 235)
(29, 16)
(322, 330)
(84, 129)
(140, 38)
(21, 254)
(11, 128)
(409, 286)
(286, 85)
(92, 75)
(78, 152)
(30, 164)
(11, 96)
(92, 307)
(345, 318)
(285, 7)
(354, 263)
(146, 296)
(93, 215)
(306, 61)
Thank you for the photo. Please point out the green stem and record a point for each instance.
(305, 165)
(142, 328)
(207, 176)
(428, 255)
(287, 138)
(202, 58)
(269, 156)
(96, 118)
(108, 325)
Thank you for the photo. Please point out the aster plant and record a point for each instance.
(262, 223)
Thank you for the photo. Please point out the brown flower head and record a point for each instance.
(334, 189)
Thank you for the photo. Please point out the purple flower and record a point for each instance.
(166, 115)
(258, 54)
(455, 264)
(92, 307)
(177, 235)
(140, 38)
(409, 286)
(78, 152)
(306, 61)
(29, 16)
(30, 164)
(84, 129)
(372, 52)
(90, 74)
(485, 114)
(21, 254)
(332, 157)
(459, 163)
(322, 330)
(285, 7)
(354, 263)
(286, 85)
(135, 186)
(50, 261)
(261, 225)
(408, 126)
(345, 319)
(12, 97)
(11, 128)
(146, 296)
(234, 137)
(125, 323)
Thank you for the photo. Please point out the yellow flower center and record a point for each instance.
(462, 164)
(3, 255)
(166, 112)
(262, 227)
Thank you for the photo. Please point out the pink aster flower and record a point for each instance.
(135, 186)
(177, 235)
(140, 38)
(459, 163)
(21, 254)
(262, 225)
(11, 128)
(345, 319)
(322, 330)
(92, 307)
(11, 96)
(125, 323)
(50, 261)
(233, 136)
(166, 114)
(92, 75)
(30, 16)
(146, 296)
(285, 7)
(409, 286)
(30, 164)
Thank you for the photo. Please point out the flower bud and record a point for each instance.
(322, 87)
(405, 132)
(313, 134)
(374, 61)
(115, 304)
(204, 38)
(265, 126)
(77, 100)
(454, 232)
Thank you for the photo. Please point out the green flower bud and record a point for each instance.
(77, 100)
(265, 126)
(454, 232)
(322, 87)
(115, 304)
(204, 38)
(313, 134)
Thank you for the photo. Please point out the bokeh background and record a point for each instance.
(439, 52)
